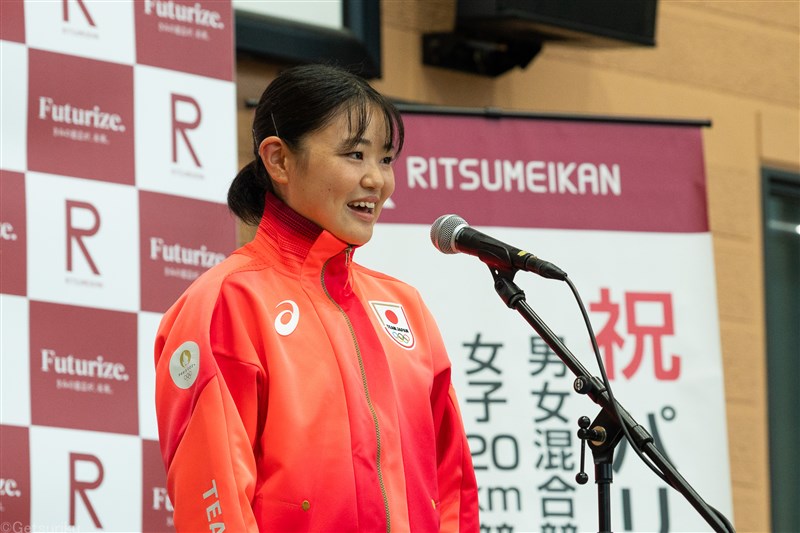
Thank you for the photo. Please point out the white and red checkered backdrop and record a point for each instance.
(116, 149)
(118, 144)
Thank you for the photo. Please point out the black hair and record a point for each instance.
(300, 101)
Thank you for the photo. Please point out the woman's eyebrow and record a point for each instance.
(349, 144)
(353, 142)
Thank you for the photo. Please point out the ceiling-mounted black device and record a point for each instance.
(491, 37)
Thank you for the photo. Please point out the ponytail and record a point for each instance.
(247, 191)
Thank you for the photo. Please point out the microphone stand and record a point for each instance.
(606, 429)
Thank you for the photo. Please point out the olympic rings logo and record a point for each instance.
(404, 338)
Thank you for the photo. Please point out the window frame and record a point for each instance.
(782, 367)
(356, 47)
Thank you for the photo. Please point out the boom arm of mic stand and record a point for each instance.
(514, 298)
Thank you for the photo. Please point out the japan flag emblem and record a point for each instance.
(395, 323)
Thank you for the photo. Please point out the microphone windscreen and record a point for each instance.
(443, 233)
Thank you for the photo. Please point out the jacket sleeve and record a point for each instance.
(458, 491)
(206, 405)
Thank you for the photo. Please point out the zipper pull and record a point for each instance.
(348, 285)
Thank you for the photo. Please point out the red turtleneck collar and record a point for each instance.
(291, 236)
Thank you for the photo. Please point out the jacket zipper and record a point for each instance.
(366, 388)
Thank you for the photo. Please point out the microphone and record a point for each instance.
(451, 234)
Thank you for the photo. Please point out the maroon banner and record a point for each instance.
(80, 123)
(189, 36)
(83, 378)
(13, 234)
(15, 482)
(534, 173)
(12, 23)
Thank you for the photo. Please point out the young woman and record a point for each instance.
(297, 390)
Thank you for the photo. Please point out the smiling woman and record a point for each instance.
(320, 397)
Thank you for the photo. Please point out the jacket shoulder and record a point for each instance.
(197, 303)
(195, 312)
(210, 283)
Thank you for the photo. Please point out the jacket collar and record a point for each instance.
(295, 241)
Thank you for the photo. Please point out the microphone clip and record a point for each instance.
(504, 284)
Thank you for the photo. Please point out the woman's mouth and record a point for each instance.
(362, 207)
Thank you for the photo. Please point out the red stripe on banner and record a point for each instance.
(523, 172)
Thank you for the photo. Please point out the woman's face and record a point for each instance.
(339, 184)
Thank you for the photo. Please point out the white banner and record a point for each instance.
(650, 295)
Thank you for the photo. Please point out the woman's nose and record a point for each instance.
(373, 177)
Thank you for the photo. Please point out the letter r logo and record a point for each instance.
(65, 7)
(78, 234)
(80, 487)
(180, 126)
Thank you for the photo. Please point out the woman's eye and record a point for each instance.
(356, 155)
(387, 160)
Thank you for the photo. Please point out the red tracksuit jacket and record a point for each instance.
(299, 391)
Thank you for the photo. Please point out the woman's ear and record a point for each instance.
(274, 154)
